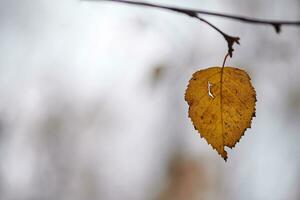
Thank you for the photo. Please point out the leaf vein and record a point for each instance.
(238, 84)
(244, 103)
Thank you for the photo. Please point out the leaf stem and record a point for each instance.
(224, 61)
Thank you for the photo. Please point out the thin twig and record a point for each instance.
(194, 13)
(229, 39)
(217, 14)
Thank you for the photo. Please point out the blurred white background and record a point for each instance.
(92, 102)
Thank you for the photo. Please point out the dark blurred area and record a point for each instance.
(92, 102)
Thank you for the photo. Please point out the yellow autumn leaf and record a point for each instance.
(221, 105)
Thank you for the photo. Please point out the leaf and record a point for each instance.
(221, 105)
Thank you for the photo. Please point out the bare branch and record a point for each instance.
(204, 12)
(231, 40)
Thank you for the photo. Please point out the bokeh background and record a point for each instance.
(92, 102)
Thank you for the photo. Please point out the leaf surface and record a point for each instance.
(221, 105)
